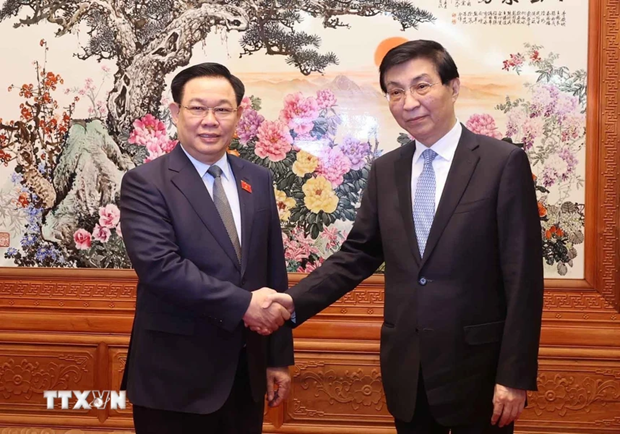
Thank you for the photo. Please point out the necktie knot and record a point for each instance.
(215, 171)
(429, 155)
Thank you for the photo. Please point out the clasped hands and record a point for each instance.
(268, 311)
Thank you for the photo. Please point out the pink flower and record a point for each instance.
(483, 124)
(89, 84)
(246, 103)
(532, 128)
(299, 113)
(102, 108)
(310, 266)
(355, 151)
(516, 118)
(274, 141)
(333, 164)
(105, 68)
(151, 133)
(544, 100)
(82, 239)
(109, 216)
(331, 236)
(248, 125)
(101, 233)
(298, 246)
(146, 129)
(573, 126)
(325, 98)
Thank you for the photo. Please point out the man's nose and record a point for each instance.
(210, 118)
(411, 100)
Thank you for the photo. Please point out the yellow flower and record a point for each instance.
(284, 204)
(319, 195)
(306, 163)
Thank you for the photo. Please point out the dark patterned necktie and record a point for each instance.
(223, 208)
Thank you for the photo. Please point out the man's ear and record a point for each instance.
(174, 112)
(455, 85)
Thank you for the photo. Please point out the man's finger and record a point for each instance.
(285, 313)
(268, 301)
(270, 388)
(497, 412)
(506, 414)
(283, 389)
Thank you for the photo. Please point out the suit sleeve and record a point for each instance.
(152, 246)
(280, 342)
(359, 256)
(520, 249)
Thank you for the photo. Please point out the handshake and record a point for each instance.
(268, 311)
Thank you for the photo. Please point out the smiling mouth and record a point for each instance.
(209, 136)
(417, 118)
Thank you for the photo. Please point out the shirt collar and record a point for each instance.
(444, 147)
(202, 167)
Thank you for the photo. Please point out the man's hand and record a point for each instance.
(274, 301)
(278, 385)
(508, 403)
(264, 320)
(281, 298)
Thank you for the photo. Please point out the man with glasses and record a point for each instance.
(202, 230)
(454, 217)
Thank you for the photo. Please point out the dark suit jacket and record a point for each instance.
(192, 293)
(469, 312)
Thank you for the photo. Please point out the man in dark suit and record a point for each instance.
(454, 216)
(202, 231)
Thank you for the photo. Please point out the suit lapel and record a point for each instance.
(402, 172)
(187, 180)
(461, 170)
(246, 203)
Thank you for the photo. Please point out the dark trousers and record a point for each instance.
(239, 414)
(424, 423)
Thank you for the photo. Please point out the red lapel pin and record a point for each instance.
(247, 187)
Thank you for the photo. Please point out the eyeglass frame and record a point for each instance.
(413, 91)
(207, 109)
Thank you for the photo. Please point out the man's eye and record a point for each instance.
(396, 92)
(222, 110)
(197, 109)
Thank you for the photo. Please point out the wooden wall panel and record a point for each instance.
(69, 329)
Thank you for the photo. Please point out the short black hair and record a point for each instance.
(420, 48)
(207, 69)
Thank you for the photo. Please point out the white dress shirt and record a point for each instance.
(228, 182)
(445, 149)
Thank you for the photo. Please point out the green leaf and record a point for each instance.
(314, 232)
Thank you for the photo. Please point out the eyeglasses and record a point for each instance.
(420, 89)
(197, 111)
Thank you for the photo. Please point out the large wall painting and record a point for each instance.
(85, 90)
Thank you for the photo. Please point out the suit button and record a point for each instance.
(422, 281)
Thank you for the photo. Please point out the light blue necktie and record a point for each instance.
(424, 201)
